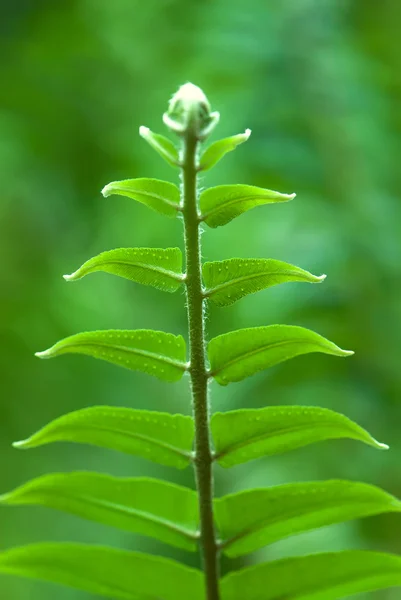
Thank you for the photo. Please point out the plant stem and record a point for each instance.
(198, 373)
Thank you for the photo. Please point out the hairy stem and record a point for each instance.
(203, 455)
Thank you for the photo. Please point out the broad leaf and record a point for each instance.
(105, 571)
(161, 196)
(220, 205)
(239, 354)
(246, 434)
(161, 144)
(160, 437)
(218, 149)
(153, 352)
(230, 280)
(146, 506)
(254, 518)
(158, 267)
(328, 576)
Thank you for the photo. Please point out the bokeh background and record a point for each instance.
(319, 83)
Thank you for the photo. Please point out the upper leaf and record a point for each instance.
(230, 280)
(327, 576)
(147, 506)
(239, 354)
(161, 196)
(246, 434)
(251, 519)
(160, 437)
(218, 149)
(153, 352)
(159, 267)
(105, 571)
(161, 144)
(220, 205)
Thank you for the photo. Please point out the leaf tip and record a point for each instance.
(44, 353)
(19, 444)
(144, 131)
(106, 191)
(247, 134)
(321, 278)
(70, 277)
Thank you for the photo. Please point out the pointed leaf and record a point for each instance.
(105, 571)
(220, 205)
(153, 352)
(252, 519)
(161, 196)
(239, 354)
(230, 280)
(161, 144)
(158, 267)
(218, 149)
(160, 437)
(146, 506)
(328, 576)
(246, 434)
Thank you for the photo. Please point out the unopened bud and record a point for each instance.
(189, 110)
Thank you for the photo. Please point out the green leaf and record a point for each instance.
(105, 571)
(158, 267)
(252, 519)
(161, 144)
(239, 354)
(146, 506)
(160, 437)
(230, 280)
(327, 576)
(161, 196)
(218, 149)
(153, 352)
(220, 205)
(246, 434)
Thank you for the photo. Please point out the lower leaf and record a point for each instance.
(252, 519)
(328, 576)
(160, 437)
(105, 571)
(142, 505)
(246, 434)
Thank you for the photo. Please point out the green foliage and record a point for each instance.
(236, 355)
(237, 523)
(161, 144)
(246, 434)
(220, 205)
(230, 280)
(141, 505)
(160, 437)
(158, 267)
(218, 149)
(153, 352)
(160, 196)
(252, 519)
(105, 571)
(327, 576)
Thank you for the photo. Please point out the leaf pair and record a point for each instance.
(246, 520)
(218, 205)
(212, 155)
(132, 576)
(226, 281)
(233, 356)
(239, 436)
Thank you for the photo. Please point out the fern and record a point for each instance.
(235, 524)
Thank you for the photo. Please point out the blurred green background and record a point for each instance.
(319, 83)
